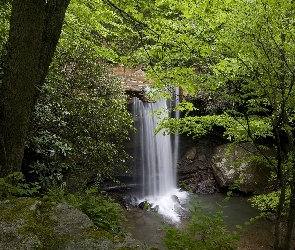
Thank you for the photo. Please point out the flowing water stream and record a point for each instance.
(157, 159)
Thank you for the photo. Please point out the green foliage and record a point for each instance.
(241, 52)
(269, 202)
(5, 8)
(101, 209)
(99, 25)
(238, 50)
(81, 121)
(104, 212)
(15, 185)
(203, 231)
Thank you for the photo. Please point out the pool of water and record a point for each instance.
(237, 210)
(147, 227)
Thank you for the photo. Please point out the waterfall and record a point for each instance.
(157, 158)
(158, 175)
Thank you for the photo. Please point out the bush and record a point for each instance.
(15, 185)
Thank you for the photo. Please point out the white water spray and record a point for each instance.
(158, 159)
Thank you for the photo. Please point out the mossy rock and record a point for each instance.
(28, 223)
(241, 164)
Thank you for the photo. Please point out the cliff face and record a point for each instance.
(133, 80)
(194, 165)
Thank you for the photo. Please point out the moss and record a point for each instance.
(16, 208)
(36, 218)
(128, 248)
(39, 224)
(96, 234)
(99, 235)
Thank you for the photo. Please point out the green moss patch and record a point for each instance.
(33, 223)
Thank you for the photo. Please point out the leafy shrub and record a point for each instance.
(80, 121)
(101, 209)
(15, 185)
(269, 202)
(203, 231)
(48, 157)
(104, 212)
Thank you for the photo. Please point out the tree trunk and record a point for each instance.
(282, 180)
(35, 27)
(291, 213)
(291, 219)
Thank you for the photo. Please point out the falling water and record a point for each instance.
(158, 159)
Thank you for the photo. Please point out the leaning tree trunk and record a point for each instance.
(35, 27)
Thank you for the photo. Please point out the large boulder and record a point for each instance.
(235, 165)
(27, 223)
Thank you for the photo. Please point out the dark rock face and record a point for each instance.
(194, 168)
(236, 165)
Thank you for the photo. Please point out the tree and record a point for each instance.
(35, 28)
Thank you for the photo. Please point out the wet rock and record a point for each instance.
(145, 205)
(135, 91)
(202, 158)
(155, 208)
(191, 154)
(130, 201)
(236, 166)
(206, 187)
(202, 182)
(194, 168)
(175, 198)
